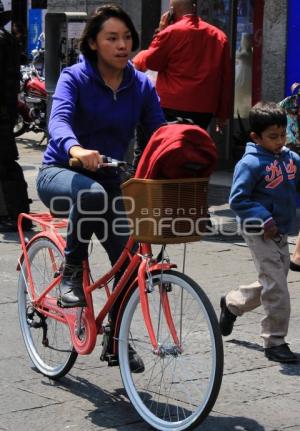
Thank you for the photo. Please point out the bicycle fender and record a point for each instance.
(47, 235)
(153, 270)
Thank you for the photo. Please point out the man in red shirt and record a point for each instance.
(193, 62)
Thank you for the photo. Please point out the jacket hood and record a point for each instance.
(172, 148)
(91, 70)
(264, 187)
(258, 150)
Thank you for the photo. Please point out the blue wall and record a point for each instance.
(35, 28)
(293, 45)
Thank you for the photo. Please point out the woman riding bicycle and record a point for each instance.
(164, 327)
(96, 106)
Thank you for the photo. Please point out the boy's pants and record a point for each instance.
(271, 258)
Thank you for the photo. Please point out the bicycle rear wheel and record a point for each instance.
(47, 340)
(177, 389)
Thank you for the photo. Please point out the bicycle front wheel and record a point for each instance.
(178, 386)
(47, 340)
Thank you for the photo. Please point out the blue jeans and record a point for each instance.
(93, 204)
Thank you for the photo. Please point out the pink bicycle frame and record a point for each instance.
(141, 260)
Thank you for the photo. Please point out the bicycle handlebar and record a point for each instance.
(108, 162)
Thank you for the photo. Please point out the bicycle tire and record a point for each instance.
(176, 391)
(52, 355)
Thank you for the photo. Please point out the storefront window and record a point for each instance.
(246, 51)
(216, 12)
(219, 13)
(243, 56)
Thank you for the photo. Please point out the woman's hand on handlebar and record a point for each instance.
(90, 159)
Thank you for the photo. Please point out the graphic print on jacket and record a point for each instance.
(264, 187)
(276, 176)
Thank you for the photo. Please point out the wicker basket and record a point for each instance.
(166, 211)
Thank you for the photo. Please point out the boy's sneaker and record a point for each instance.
(227, 318)
(294, 266)
(281, 353)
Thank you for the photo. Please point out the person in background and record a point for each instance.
(193, 62)
(13, 187)
(295, 260)
(10, 82)
(263, 196)
(19, 33)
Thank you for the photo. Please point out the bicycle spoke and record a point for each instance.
(177, 385)
(47, 339)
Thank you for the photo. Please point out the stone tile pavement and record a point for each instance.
(256, 395)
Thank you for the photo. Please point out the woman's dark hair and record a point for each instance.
(266, 114)
(94, 25)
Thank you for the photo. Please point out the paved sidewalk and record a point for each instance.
(256, 395)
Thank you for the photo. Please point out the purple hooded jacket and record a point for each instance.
(87, 112)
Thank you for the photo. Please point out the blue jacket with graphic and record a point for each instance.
(85, 111)
(264, 187)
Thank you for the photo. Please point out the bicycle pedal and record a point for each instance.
(61, 305)
(58, 302)
(112, 360)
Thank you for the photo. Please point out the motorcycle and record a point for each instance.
(32, 101)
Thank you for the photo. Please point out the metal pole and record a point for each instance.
(151, 11)
(232, 36)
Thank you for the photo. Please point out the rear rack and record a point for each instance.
(46, 220)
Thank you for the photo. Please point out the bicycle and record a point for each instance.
(163, 315)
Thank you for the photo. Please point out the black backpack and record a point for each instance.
(14, 195)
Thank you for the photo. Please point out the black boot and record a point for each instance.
(136, 363)
(72, 294)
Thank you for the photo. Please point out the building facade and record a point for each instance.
(258, 28)
(274, 43)
(272, 37)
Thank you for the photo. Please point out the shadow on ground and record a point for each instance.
(292, 369)
(29, 143)
(13, 237)
(247, 344)
(113, 409)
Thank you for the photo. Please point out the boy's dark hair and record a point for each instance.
(94, 25)
(264, 115)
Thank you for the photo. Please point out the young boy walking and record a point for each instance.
(263, 198)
